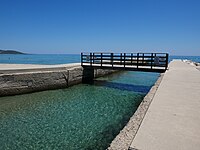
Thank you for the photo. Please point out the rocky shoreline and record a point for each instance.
(191, 62)
(196, 64)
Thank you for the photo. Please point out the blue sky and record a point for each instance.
(73, 26)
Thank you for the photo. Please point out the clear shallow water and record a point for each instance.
(60, 58)
(80, 117)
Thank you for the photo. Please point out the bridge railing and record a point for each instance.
(126, 60)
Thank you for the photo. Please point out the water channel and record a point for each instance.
(80, 117)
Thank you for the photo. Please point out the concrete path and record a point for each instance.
(32, 66)
(16, 68)
(172, 121)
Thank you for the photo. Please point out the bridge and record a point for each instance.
(148, 62)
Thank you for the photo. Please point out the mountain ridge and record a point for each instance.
(10, 52)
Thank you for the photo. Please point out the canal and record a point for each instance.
(80, 117)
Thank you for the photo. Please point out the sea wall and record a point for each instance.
(123, 140)
(26, 82)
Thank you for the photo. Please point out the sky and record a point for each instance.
(74, 26)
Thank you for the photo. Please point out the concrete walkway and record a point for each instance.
(16, 68)
(31, 66)
(172, 121)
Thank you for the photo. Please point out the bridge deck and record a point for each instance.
(151, 62)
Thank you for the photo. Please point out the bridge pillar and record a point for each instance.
(88, 75)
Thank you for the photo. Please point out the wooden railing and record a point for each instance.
(126, 61)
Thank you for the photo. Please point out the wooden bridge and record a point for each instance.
(148, 62)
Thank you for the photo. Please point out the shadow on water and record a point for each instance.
(107, 135)
(123, 86)
(112, 130)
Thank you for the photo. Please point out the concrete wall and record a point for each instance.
(25, 82)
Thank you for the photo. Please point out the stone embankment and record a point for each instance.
(32, 78)
(195, 64)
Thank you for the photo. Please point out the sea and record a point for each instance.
(60, 58)
(81, 117)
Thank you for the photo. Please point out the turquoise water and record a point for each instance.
(60, 58)
(39, 58)
(84, 116)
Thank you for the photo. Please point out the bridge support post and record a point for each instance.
(88, 75)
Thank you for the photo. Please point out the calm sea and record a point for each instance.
(59, 58)
(40, 58)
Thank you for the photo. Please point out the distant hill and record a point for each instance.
(10, 52)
